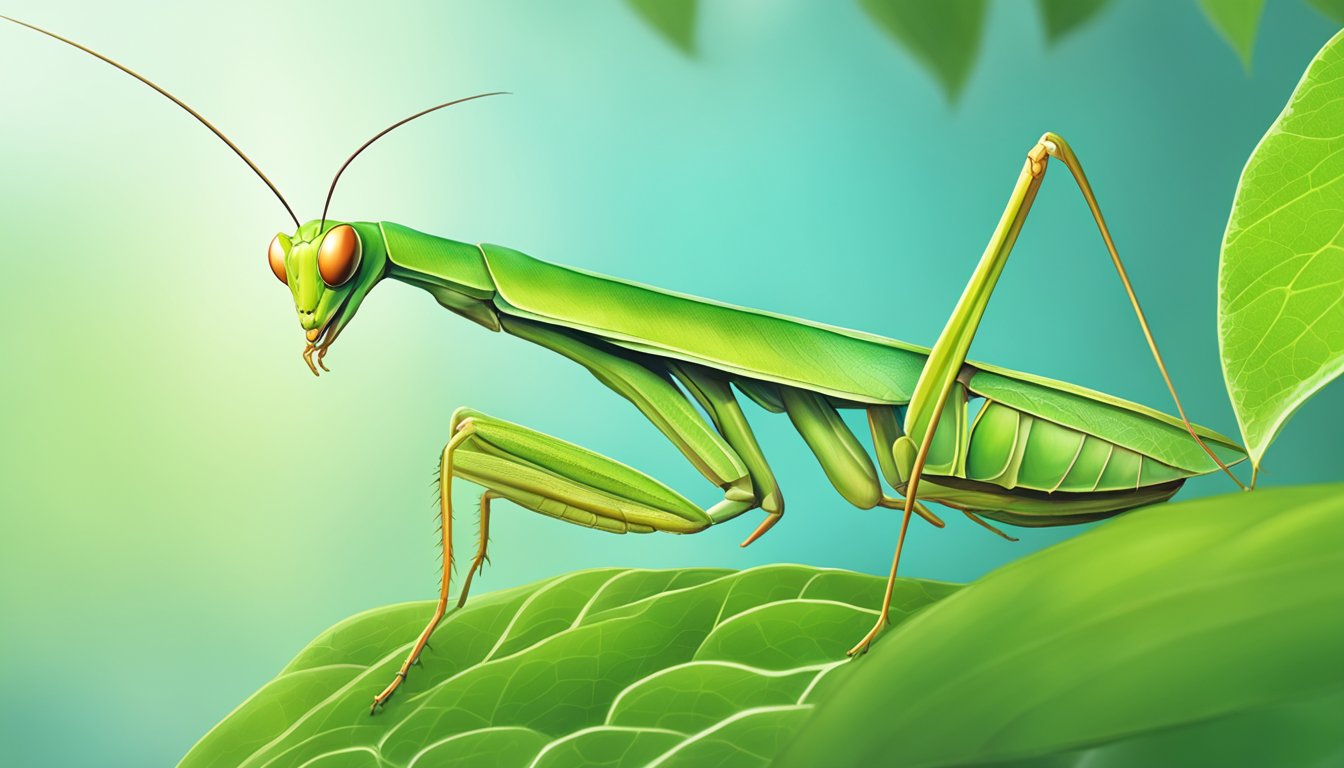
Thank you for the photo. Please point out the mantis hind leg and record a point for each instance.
(555, 478)
(938, 379)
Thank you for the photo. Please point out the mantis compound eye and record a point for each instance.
(338, 256)
(276, 255)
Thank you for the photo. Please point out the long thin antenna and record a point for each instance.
(384, 132)
(171, 98)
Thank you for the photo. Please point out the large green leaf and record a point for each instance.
(674, 20)
(1334, 9)
(606, 667)
(1063, 16)
(944, 36)
(1281, 282)
(1237, 21)
(1205, 633)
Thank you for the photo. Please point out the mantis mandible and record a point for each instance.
(989, 442)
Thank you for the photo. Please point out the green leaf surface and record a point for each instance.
(943, 36)
(1063, 16)
(1333, 9)
(1237, 21)
(609, 667)
(1204, 633)
(673, 19)
(1281, 280)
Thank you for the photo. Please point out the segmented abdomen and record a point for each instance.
(1013, 449)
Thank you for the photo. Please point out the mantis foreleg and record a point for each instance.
(726, 452)
(654, 394)
(555, 478)
(482, 555)
(446, 510)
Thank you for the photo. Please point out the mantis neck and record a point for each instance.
(454, 273)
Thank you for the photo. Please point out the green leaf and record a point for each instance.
(597, 668)
(1201, 633)
(1334, 9)
(1281, 281)
(943, 36)
(674, 20)
(1237, 21)
(1063, 16)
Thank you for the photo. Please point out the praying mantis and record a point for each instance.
(991, 443)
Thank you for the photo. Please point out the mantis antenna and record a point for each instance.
(332, 190)
(171, 98)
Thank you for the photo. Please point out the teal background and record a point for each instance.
(184, 506)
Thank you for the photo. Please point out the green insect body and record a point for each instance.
(1037, 452)
(987, 441)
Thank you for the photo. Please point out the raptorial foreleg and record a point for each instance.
(559, 479)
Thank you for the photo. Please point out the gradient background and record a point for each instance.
(184, 506)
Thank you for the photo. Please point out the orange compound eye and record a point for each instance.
(276, 255)
(338, 256)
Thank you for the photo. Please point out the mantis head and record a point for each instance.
(329, 267)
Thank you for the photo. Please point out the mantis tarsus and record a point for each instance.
(1036, 452)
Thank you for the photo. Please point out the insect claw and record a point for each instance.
(308, 358)
(382, 698)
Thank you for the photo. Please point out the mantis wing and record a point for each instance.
(850, 367)
(847, 365)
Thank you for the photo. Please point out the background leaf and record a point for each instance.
(1063, 16)
(674, 20)
(606, 667)
(1281, 280)
(943, 36)
(1237, 21)
(1208, 628)
(1333, 9)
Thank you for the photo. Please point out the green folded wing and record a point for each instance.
(847, 365)
(833, 361)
